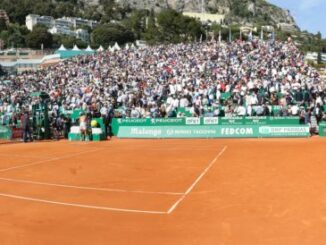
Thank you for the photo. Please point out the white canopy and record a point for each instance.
(100, 49)
(127, 47)
(89, 49)
(62, 48)
(116, 46)
(75, 48)
(133, 46)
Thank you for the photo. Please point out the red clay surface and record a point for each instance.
(253, 191)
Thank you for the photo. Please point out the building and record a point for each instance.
(34, 19)
(313, 57)
(287, 27)
(69, 22)
(64, 26)
(78, 22)
(206, 18)
(63, 30)
(82, 34)
(4, 16)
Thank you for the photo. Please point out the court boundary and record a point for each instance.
(169, 211)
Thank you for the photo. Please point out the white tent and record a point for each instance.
(111, 49)
(133, 46)
(75, 48)
(116, 46)
(127, 47)
(62, 48)
(89, 49)
(100, 49)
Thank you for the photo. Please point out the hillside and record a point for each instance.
(236, 11)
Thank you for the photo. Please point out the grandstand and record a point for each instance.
(211, 79)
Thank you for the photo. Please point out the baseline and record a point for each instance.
(90, 188)
(175, 205)
(81, 205)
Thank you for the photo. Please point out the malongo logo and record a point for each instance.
(237, 131)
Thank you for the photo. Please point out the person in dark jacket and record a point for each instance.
(27, 127)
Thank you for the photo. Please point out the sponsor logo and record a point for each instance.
(283, 130)
(132, 120)
(192, 121)
(166, 120)
(145, 131)
(237, 131)
(264, 130)
(211, 120)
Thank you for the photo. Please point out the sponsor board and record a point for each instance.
(212, 131)
(5, 132)
(210, 120)
(237, 131)
(192, 121)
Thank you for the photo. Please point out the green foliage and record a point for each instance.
(2, 72)
(67, 41)
(14, 35)
(39, 36)
(137, 22)
(173, 27)
(3, 25)
(239, 8)
(108, 34)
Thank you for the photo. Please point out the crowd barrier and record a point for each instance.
(210, 127)
(9, 133)
(322, 129)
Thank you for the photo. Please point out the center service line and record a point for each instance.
(175, 205)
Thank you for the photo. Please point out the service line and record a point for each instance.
(47, 160)
(175, 205)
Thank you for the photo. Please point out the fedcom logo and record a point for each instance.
(237, 131)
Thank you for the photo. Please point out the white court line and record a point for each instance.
(81, 205)
(174, 206)
(20, 156)
(89, 188)
(47, 160)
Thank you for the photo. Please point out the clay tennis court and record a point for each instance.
(251, 191)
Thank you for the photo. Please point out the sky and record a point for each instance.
(310, 15)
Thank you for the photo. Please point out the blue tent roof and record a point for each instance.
(65, 54)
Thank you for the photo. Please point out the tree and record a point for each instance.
(39, 36)
(3, 25)
(108, 34)
(2, 72)
(319, 58)
(151, 33)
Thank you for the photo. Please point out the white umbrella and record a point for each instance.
(100, 49)
(116, 46)
(62, 48)
(76, 48)
(89, 49)
(111, 49)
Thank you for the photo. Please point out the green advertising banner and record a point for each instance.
(322, 129)
(206, 121)
(5, 132)
(244, 131)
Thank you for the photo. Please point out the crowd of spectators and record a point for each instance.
(242, 78)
